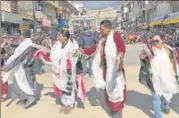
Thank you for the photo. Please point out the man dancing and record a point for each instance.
(20, 69)
(108, 68)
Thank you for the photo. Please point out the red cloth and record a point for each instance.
(121, 49)
(119, 44)
(81, 88)
(57, 91)
(91, 50)
(4, 88)
(69, 64)
(118, 106)
(42, 53)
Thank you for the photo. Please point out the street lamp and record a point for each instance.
(34, 6)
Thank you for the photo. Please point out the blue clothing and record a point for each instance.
(159, 103)
(88, 39)
(156, 105)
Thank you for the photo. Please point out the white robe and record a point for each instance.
(18, 70)
(115, 83)
(163, 76)
(59, 57)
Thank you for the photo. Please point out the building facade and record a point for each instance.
(138, 15)
(11, 18)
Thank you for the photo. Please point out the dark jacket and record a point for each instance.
(88, 39)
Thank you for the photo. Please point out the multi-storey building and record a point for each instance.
(145, 14)
(10, 17)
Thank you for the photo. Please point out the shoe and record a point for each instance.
(166, 111)
(29, 102)
(22, 103)
(62, 109)
(95, 103)
(91, 76)
(3, 99)
(86, 76)
(68, 110)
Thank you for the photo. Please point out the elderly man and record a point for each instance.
(108, 68)
(160, 65)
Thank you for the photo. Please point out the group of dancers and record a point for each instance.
(159, 69)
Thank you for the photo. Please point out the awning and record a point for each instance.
(172, 19)
(11, 17)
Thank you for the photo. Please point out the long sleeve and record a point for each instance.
(11, 65)
(119, 43)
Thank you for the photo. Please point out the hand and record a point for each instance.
(3, 44)
(142, 55)
(81, 50)
(119, 62)
(176, 53)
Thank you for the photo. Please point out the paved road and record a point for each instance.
(138, 104)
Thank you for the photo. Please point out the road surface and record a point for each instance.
(139, 102)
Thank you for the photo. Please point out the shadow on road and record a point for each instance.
(140, 101)
(175, 104)
(10, 94)
(144, 102)
(52, 94)
(94, 95)
(58, 100)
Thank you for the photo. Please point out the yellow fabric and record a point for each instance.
(64, 28)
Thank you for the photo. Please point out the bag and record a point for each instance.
(144, 77)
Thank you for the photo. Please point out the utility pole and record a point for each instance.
(34, 6)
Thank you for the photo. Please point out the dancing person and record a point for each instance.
(108, 68)
(66, 81)
(19, 69)
(160, 65)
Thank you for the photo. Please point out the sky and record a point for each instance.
(101, 4)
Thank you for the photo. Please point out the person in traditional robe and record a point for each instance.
(19, 69)
(62, 60)
(108, 68)
(160, 65)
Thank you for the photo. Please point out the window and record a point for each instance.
(14, 6)
(175, 6)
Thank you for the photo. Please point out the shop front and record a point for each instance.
(10, 22)
(172, 18)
